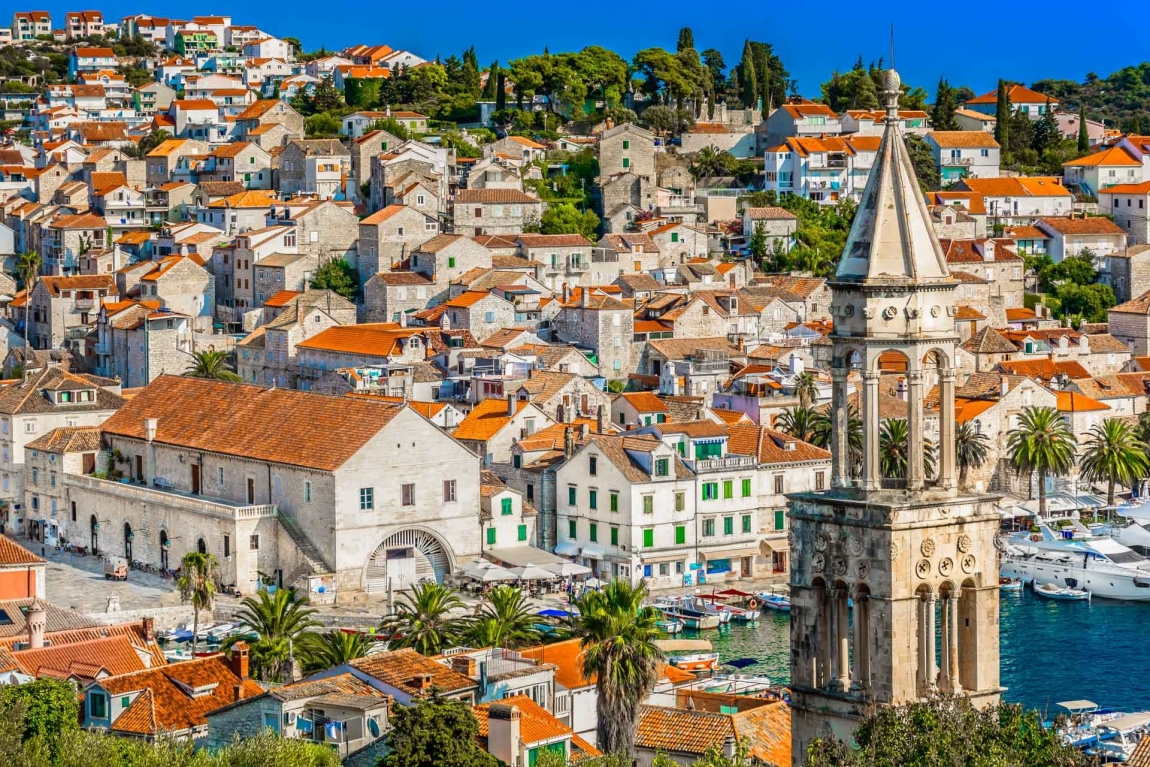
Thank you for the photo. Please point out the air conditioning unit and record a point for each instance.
(289, 717)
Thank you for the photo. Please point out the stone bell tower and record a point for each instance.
(880, 566)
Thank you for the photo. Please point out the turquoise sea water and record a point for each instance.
(1050, 651)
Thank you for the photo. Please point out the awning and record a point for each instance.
(776, 544)
(677, 556)
(729, 553)
(592, 551)
(518, 556)
(1014, 512)
(567, 549)
(684, 645)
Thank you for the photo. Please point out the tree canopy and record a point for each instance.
(435, 732)
(339, 276)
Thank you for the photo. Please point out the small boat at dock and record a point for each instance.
(692, 620)
(772, 601)
(1010, 584)
(700, 661)
(1061, 593)
(670, 626)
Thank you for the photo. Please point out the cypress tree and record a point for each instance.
(747, 76)
(490, 90)
(942, 116)
(686, 39)
(501, 92)
(1002, 117)
(1083, 133)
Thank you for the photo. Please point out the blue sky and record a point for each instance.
(1025, 44)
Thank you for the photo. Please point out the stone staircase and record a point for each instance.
(315, 563)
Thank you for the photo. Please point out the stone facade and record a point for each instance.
(603, 324)
(313, 166)
(1127, 273)
(388, 295)
(495, 211)
(1130, 323)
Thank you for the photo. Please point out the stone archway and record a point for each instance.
(405, 558)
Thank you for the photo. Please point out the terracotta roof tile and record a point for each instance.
(536, 725)
(485, 420)
(12, 553)
(645, 402)
(399, 668)
(1073, 402)
(965, 139)
(482, 196)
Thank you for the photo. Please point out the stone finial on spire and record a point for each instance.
(891, 90)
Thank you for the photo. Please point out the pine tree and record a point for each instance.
(1046, 133)
(686, 39)
(1002, 117)
(1083, 132)
(501, 92)
(747, 76)
(942, 116)
(489, 90)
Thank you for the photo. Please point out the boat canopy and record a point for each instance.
(683, 645)
(1128, 722)
(1078, 706)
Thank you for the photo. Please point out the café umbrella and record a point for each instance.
(530, 572)
(567, 569)
(492, 574)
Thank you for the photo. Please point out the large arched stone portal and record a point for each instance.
(405, 558)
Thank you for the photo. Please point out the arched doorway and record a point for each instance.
(406, 558)
(94, 532)
(164, 543)
(128, 536)
(201, 546)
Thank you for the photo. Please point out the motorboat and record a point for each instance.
(742, 615)
(1080, 725)
(691, 620)
(699, 661)
(701, 606)
(670, 626)
(1119, 736)
(1010, 584)
(772, 601)
(1077, 559)
(1061, 593)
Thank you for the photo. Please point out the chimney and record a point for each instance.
(510, 405)
(1004, 387)
(566, 292)
(568, 442)
(403, 319)
(238, 662)
(37, 624)
(732, 279)
(901, 389)
(463, 664)
(795, 365)
(583, 432)
(583, 296)
(421, 681)
(149, 628)
(503, 740)
(599, 420)
(988, 250)
(237, 692)
(150, 425)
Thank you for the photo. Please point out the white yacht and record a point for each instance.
(1077, 559)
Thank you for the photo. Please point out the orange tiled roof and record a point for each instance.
(771, 446)
(1114, 155)
(1090, 225)
(372, 339)
(486, 420)
(963, 139)
(1017, 94)
(399, 667)
(535, 724)
(12, 554)
(1073, 402)
(83, 661)
(645, 402)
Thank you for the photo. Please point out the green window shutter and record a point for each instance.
(674, 236)
(648, 538)
(594, 533)
(523, 532)
(491, 536)
(680, 534)
(593, 496)
(626, 144)
(746, 523)
(648, 504)
(614, 536)
(728, 525)
(572, 528)
(614, 501)
(728, 488)
(571, 496)
(506, 506)
(626, 162)
(780, 516)
(746, 488)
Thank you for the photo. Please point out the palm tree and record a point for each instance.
(970, 449)
(1043, 443)
(213, 364)
(28, 267)
(894, 450)
(821, 436)
(422, 619)
(805, 389)
(1114, 453)
(281, 620)
(799, 422)
(197, 585)
(1142, 431)
(507, 613)
(620, 653)
(335, 648)
(708, 161)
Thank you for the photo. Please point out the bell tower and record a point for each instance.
(882, 565)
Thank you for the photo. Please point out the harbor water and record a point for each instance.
(1050, 651)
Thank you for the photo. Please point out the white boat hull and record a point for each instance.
(1104, 581)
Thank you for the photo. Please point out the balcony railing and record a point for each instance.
(220, 508)
(958, 161)
(730, 462)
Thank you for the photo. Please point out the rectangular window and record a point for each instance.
(505, 507)
(614, 501)
(449, 491)
(648, 504)
(819, 482)
(367, 498)
(572, 528)
(593, 498)
(254, 543)
(451, 262)
(662, 467)
(747, 488)
(227, 546)
(728, 525)
(708, 528)
(680, 534)
(710, 491)
(780, 518)
(409, 495)
(746, 523)
(728, 488)
(626, 144)
(594, 533)
(614, 536)
(593, 465)
(97, 705)
(306, 491)
(778, 484)
(680, 501)
(648, 538)
(571, 496)
(491, 536)
(626, 162)
(522, 533)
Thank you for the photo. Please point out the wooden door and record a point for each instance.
(251, 490)
(195, 479)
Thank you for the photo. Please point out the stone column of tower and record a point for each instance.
(896, 544)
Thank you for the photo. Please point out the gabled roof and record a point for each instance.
(247, 199)
(1017, 94)
(644, 402)
(482, 196)
(1107, 157)
(963, 139)
(989, 341)
(1139, 305)
(13, 554)
(273, 425)
(765, 729)
(769, 214)
(486, 420)
(1089, 225)
(399, 668)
